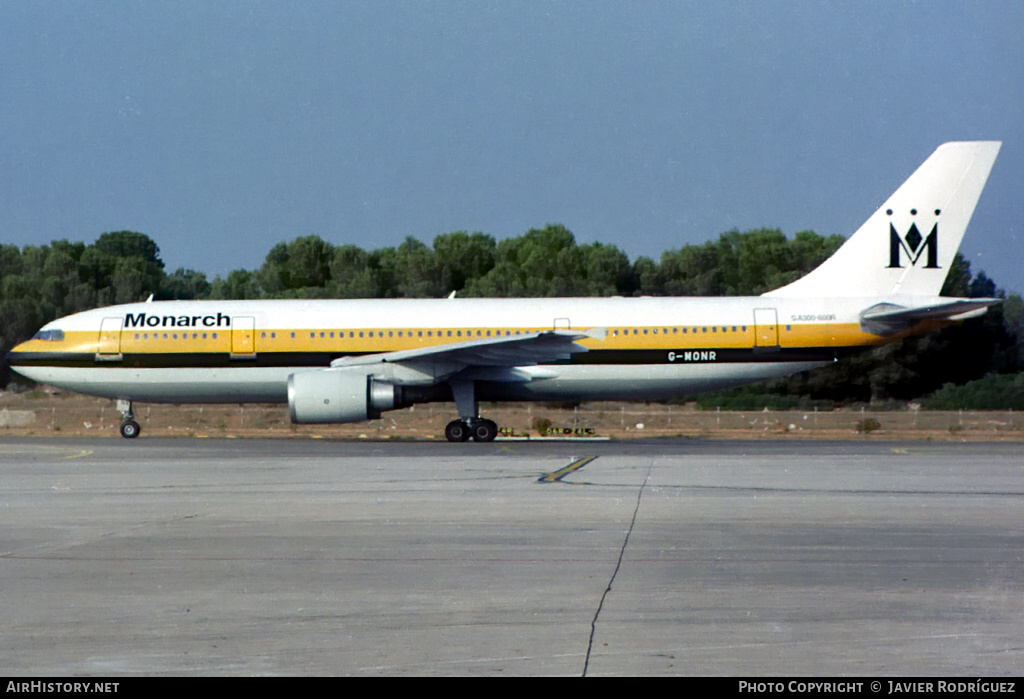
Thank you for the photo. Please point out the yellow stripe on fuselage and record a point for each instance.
(373, 340)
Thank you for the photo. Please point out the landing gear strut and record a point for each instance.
(129, 428)
(469, 424)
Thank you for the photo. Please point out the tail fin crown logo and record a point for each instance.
(913, 244)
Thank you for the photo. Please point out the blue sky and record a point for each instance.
(222, 128)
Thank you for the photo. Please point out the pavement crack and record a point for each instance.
(615, 572)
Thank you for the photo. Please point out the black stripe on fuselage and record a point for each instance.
(204, 360)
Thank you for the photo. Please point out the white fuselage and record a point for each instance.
(244, 351)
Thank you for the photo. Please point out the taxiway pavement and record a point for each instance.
(317, 557)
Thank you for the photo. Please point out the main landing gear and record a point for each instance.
(470, 424)
(129, 428)
(480, 430)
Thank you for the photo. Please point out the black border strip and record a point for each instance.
(199, 360)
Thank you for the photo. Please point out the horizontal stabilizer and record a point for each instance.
(889, 318)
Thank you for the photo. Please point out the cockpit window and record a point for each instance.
(53, 335)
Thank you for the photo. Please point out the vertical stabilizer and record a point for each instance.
(907, 246)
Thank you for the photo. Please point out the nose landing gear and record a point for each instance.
(129, 428)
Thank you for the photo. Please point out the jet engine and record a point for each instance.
(339, 395)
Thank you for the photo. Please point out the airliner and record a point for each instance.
(336, 361)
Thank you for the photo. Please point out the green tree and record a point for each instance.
(646, 274)
(462, 258)
(606, 271)
(184, 284)
(40, 283)
(741, 264)
(132, 264)
(541, 262)
(351, 276)
(414, 272)
(239, 284)
(300, 268)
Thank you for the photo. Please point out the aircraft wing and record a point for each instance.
(497, 355)
(889, 318)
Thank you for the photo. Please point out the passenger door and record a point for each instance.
(766, 328)
(243, 337)
(108, 348)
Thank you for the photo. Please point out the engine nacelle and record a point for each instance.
(339, 395)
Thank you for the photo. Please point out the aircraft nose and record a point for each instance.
(17, 355)
(11, 358)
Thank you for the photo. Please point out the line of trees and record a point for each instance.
(40, 283)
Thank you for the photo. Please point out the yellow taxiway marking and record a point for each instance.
(78, 454)
(565, 470)
(41, 449)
